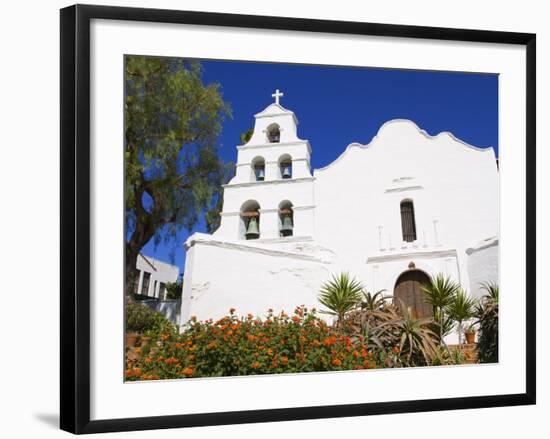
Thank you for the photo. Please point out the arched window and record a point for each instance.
(273, 133)
(408, 224)
(258, 168)
(286, 219)
(250, 220)
(285, 166)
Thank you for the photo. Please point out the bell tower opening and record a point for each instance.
(258, 168)
(285, 166)
(273, 133)
(286, 219)
(250, 220)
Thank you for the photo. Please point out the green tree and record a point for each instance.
(172, 170)
(174, 290)
(246, 135)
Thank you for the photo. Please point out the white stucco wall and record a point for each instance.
(483, 265)
(346, 218)
(250, 278)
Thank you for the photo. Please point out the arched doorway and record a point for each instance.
(408, 292)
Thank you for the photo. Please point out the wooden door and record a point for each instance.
(408, 292)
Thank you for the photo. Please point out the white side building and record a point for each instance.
(391, 213)
(153, 275)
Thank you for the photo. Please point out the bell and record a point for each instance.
(286, 229)
(260, 175)
(286, 171)
(252, 231)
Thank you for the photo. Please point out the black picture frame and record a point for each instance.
(75, 217)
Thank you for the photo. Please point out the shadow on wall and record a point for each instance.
(168, 308)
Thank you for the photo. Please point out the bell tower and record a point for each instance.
(273, 175)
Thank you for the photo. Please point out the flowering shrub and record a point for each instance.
(248, 345)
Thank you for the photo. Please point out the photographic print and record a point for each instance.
(289, 218)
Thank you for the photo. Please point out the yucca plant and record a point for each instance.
(487, 318)
(440, 293)
(461, 309)
(340, 295)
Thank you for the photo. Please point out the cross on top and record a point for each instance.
(277, 95)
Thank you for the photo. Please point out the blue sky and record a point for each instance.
(340, 105)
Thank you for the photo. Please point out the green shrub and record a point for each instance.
(250, 346)
(487, 318)
(142, 319)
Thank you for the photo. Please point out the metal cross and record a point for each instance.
(277, 95)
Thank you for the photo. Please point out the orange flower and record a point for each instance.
(165, 336)
(336, 362)
(170, 361)
(148, 360)
(188, 371)
(329, 341)
(270, 352)
(179, 345)
(255, 365)
(296, 319)
(395, 349)
(251, 337)
(230, 332)
(137, 350)
(211, 345)
(367, 364)
(355, 354)
(284, 360)
(150, 377)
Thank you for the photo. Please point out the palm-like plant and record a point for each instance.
(440, 293)
(461, 309)
(340, 295)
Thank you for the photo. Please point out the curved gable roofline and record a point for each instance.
(275, 110)
(413, 125)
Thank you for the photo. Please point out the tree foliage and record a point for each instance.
(172, 170)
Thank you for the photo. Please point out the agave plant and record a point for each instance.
(373, 302)
(440, 293)
(364, 326)
(413, 337)
(461, 309)
(340, 295)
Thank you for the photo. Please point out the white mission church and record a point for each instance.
(391, 213)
